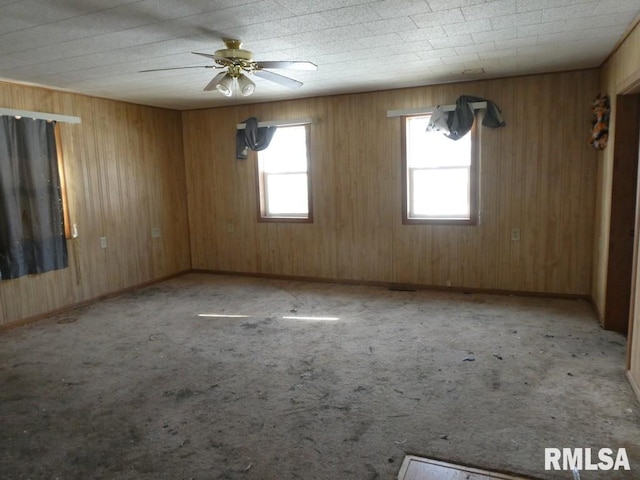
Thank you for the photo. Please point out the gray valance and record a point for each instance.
(457, 123)
(252, 137)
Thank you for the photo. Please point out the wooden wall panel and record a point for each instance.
(364, 197)
(223, 204)
(618, 75)
(537, 174)
(124, 172)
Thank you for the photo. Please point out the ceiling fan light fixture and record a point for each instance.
(225, 85)
(247, 87)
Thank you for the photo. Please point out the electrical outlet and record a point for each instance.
(103, 242)
(155, 232)
(515, 234)
(74, 231)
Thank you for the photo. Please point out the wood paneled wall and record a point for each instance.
(125, 175)
(537, 174)
(619, 74)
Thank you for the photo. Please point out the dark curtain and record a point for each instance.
(31, 217)
(461, 119)
(253, 138)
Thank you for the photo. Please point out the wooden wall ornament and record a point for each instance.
(600, 111)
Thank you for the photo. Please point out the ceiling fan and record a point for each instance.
(239, 62)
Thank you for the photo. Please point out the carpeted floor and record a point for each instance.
(143, 387)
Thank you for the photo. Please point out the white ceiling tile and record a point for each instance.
(529, 5)
(476, 48)
(447, 70)
(455, 41)
(489, 9)
(449, 4)
(374, 52)
(400, 8)
(398, 24)
(19, 15)
(437, 53)
(507, 21)
(495, 35)
(423, 34)
(486, 64)
(11, 24)
(552, 14)
(517, 42)
(301, 7)
(576, 36)
(509, 52)
(541, 29)
(415, 47)
(444, 17)
(309, 21)
(588, 23)
(350, 15)
(608, 7)
(468, 27)
(371, 40)
(458, 59)
(596, 46)
(315, 37)
(546, 48)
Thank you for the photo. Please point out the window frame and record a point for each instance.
(63, 182)
(261, 187)
(474, 182)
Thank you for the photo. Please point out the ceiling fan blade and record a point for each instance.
(177, 68)
(281, 79)
(212, 84)
(209, 55)
(289, 65)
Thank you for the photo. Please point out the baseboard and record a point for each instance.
(399, 285)
(84, 303)
(298, 278)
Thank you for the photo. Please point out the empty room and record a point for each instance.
(337, 239)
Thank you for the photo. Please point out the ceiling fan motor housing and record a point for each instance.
(234, 55)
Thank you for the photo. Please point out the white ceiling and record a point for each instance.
(98, 47)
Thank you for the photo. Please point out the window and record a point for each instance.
(283, 177)
(440, 175)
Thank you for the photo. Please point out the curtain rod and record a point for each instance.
(39, 115)
(280, 123)
(425, 110)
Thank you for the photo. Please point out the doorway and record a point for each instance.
(623, 213)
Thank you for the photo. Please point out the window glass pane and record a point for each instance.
(286, 194)
(287, 151)
(440, 193)
(431, 149)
